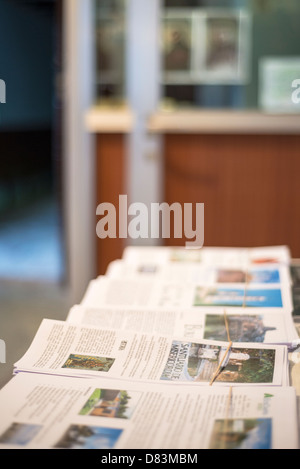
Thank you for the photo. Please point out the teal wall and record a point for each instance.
(25, 65)
(275, 33)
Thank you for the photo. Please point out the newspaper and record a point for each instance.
(171, 277)
(67, 349)
(218, 256)
(259, 326)
(173, 348)
(147, 292)
(193, 272)
(187, 292)
(42, 411)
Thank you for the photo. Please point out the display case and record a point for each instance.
(110, 50)
(232, 47)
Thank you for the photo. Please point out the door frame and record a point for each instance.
(78, 144)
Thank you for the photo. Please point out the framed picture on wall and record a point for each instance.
(226, 42)
(110, 50)
(177, 46)
(206, 46)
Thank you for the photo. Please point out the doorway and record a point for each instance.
(31, 223)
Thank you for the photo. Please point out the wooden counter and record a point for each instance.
(244, 167)
(110, 125)
(223, 122)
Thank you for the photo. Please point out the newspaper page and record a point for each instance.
(217, 256)
(142, 292)
(192, 272)
(259, 326)
(68, 349)
(42, 411)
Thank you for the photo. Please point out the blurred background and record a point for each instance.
(161, 100)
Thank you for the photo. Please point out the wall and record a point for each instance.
(25, 65)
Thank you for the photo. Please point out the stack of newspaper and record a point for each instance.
(178, 348)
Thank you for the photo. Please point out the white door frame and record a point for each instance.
(144, 162)
(143, 95)
(78, 164)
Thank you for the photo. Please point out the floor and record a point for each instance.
(31, 289)
(23, 305)
(30, 243)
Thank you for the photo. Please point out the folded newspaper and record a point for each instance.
(172, 348)
(67, 349)
(43, 411)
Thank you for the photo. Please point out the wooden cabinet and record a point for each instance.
(110, 126)
(244, 167)
(248, 183)
(110, 182)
